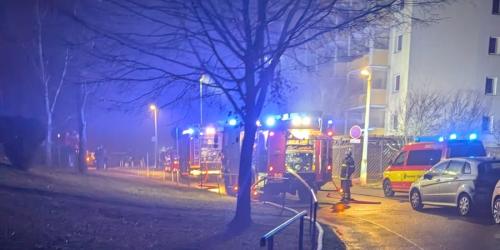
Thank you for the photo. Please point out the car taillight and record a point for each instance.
(329, 168)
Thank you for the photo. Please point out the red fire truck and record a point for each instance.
(284, 143)
(200, 151)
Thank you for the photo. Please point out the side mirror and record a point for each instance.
(428, 176)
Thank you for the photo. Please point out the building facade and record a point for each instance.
(460, 52)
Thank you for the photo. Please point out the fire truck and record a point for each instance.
(298, 143)
(200, 151)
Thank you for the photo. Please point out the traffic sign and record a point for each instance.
(355, 132)
(355, 141)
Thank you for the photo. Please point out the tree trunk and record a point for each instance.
(48, 141)
(82, 129)
(242, 217)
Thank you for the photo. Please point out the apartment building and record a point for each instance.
(460, 52)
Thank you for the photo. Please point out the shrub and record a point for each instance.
(20, 137)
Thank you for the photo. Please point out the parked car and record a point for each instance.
(416, 158)
(464, 183)
(495, 204)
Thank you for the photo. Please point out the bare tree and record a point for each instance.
(52, 89)
(238, 44)
(464, 111)
(424, 113)
(420, 113)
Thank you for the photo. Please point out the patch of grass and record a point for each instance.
(58, 209)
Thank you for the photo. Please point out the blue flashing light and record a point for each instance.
(441, 139)
(330, 122)
(473, 136)
(453, 136)
(188, 131)
(232, 122)
(270, 121)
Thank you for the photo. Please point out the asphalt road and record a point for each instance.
(376, 222)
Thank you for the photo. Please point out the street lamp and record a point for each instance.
(364, 162)
(153, 108)
(203, 79)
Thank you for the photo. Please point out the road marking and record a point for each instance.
(399, 235)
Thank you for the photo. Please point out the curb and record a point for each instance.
(318, 226)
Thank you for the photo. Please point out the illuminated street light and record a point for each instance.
(153, 108)
(364, 161)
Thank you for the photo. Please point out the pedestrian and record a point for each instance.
(346, 172)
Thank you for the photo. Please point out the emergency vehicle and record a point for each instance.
(416, 158)
(200, 151)
(284, 143)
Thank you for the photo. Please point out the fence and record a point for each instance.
(381, 151)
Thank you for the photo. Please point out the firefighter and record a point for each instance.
(345, 176)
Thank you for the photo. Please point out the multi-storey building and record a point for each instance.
(459, 52)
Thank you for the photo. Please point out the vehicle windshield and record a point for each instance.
(466, 149)
(300, 161)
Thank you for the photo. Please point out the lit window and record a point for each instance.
(398, 45)
(493, 46)
(490, 87)
(487, 123)
(496, 7)
(397, 83)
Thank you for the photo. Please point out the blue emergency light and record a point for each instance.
(232, 122)
(270, 121)
(472, 136)
(453, 136)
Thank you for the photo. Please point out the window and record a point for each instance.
(455, 168)
(395, 122)
(400, 160)
(397, 83)
(490, 87)
(467, 169)
(486, 123)
(398, 45)
(493, 46)
(439, 169)
(496, 7)
(423, 157)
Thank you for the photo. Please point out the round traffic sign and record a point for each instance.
(355, 132)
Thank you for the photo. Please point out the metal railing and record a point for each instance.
(269, 236)
(313, 207)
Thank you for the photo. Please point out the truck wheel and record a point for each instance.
(388, 192)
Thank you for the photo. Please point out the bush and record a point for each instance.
(20, 137)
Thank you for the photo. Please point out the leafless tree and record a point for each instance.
(464, 111)
(425, 113)
(238, 44)
(420, 113)
(51, 87)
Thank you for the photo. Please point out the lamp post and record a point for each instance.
(364, 155)
(153, 108)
